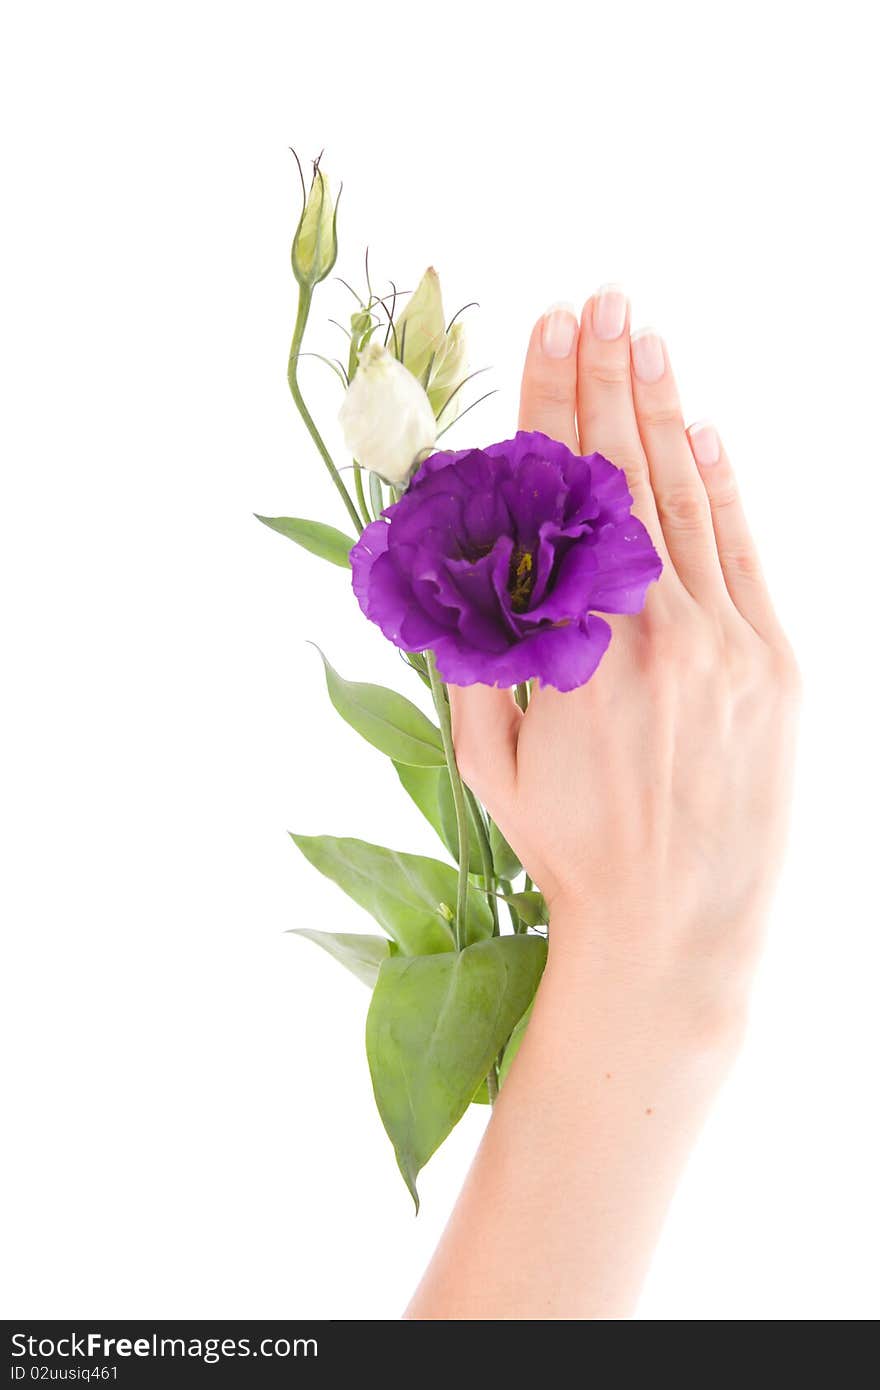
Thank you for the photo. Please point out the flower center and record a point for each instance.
(521, 580)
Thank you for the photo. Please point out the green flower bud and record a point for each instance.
(362, 326)
(450, 370)
(421, 328)
(361, 323)
(314, 245)
(436, 358)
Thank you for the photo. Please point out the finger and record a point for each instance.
(485, 727)
(738, 556)
(681, 501)
(605, 411)
(547, 398)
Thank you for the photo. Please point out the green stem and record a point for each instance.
(515, 920)
(376, 497)
(302, 314)
(492, 1084)
(359, 489)
(441, 704)
(485, 850)
(522, 696)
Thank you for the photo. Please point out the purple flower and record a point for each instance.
(498, 559)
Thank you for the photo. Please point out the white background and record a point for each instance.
(190, 1124)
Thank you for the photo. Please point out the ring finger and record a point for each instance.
(679, 495)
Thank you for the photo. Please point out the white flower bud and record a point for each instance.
(386, 416)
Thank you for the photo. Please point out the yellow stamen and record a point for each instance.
(522, 579)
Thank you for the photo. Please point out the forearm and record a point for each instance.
(566, 1197)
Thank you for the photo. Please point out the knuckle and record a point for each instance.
(724, 495)
(603, 371)
(634, 468)
(658, 415)
(554, 390)
(741, 563)
(683, 508)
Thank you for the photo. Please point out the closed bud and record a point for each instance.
(361, 323)
(450, 370)
(386, 417)
(436, 358)
(420, 330)
(314, 245)
(362, 326)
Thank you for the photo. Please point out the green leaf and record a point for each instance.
(530, 906)
(403, 892)
(513, 1045)
(422, 784)
(321, 540)
(506, 863)
(431, 790)
(360, 954)
(435, 1025)
(481, 1095)
(389, 721)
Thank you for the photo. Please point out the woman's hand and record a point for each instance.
(650, 806)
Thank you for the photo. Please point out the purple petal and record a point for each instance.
(437, 570)
(626, 564)
(610, 489)
(554, 542)
(564, 657)
(472, 589)
(573, 587)
(534, 494)
(435, 462)
(389, 599)
(373, 542)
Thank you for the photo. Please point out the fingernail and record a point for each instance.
(649, 360)
(559, 331)
(705, 443)
(609, 312)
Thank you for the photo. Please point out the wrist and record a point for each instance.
(663, 985)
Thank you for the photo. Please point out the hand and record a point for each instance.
(650, 805)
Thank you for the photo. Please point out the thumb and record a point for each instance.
(485, 728)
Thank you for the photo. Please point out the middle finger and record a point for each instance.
(605, 411)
